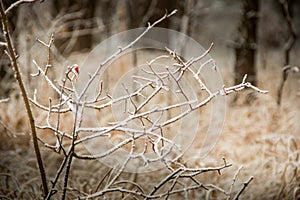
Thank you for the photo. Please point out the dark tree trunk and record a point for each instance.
(287, 13)
(246, 42)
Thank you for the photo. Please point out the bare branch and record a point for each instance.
(52, 110)
(122, 50)
(16, 4)
(233, 181)
(49, 51)
(237, 196)
(51, 84)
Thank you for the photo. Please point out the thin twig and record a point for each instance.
(237, 196)
(48, 65)
(71, 151)
(102, 180)
(59, 138)
(16, 4)
(233, 181)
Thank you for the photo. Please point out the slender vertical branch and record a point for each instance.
(71, 153)
(68, 168)
(233, 181)
(12, 55)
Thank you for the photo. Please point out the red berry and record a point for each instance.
(76, 68)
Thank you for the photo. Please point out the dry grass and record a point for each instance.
(262, 137)
(265, 140)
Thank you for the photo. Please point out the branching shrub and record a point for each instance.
(142, 138)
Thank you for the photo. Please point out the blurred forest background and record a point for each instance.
(80, 25)
(262, 135)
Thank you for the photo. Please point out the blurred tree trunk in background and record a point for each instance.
(245, 50)
(79, 22)
(288, 46)
(85, 41)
